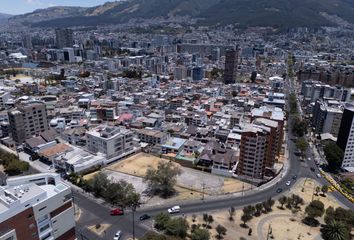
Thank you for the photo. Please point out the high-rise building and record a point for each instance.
(28, 119)
(215, 54)
(27, 41)
(345, 138)
(231, 63)
(64, 37)
(197, 73)
(253, 152)
(36, 207)
(327, 116)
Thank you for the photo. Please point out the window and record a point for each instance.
(42, 208)
(45, 227)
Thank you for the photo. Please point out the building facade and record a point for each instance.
(112, 141)
(64, 37)
(27, 120)
(36, 207)
(346, 137)
(231, 63)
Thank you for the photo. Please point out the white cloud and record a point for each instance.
(33, 2)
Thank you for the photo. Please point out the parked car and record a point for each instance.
(288, 183)
(118, 235)
(318, 175)
(174, 209)
(294, 177)
(309, 159)
(279, 190)
(144, 217)
(312, 169)
(117, 212)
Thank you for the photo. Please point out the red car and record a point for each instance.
(117, 212)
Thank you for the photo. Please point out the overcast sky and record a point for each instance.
(24, 6)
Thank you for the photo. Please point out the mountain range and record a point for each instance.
(277, 13)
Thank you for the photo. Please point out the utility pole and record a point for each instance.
(203, 188)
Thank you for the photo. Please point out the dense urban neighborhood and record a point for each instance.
(163, 128)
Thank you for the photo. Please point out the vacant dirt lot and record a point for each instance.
(189, 179)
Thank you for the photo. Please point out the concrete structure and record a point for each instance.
(4, 97)
(326, 117)
(253, 152)
(346, 137)
(28, 119)
(112, 141)
(231, 63)
(64, 37)
(152, 136)
(36, 207)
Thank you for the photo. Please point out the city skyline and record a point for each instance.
(16, 7)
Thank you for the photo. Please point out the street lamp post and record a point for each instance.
(133, 211)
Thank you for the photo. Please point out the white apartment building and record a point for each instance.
(112, 141)
(37, 207)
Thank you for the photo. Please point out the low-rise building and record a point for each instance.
(112, 141)
(36, 207)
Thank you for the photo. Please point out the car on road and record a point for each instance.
(309, 159)
(118, 235)
(318, 175)
(294, 177)
(288, 183)
(117, 212)
(144, 217)
(279, 190)
(174, 209)
(312, 169)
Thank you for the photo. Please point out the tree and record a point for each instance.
(245, 218)
(205, 219)
(210, 220)
(221, 231)
(296, 200)
(99, 184)
(334, 156)
(282, 200)
(200, 234)
(250, 210)
(161, 181)
(302, 145)
(324, 190)
(16, 167)
(299, 127)
(177, 227)
(335, 230)
(313, 210)
(161, 220)
(259, 208)
(231, 213)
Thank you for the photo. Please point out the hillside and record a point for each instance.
(279, 13)
(4, 16)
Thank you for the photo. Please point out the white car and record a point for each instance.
(318, 175)
(309, 159)
(175, 209)
(288, 183)
(117, 236)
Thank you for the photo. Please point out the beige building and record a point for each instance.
(28, 119)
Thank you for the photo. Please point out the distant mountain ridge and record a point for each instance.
(5, 16)
(278, 13)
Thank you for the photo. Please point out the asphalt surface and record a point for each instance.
(93, 212)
